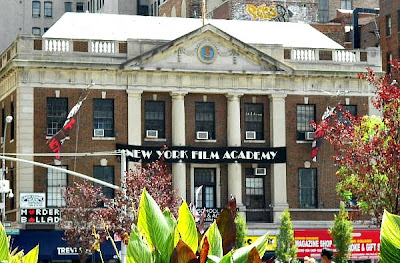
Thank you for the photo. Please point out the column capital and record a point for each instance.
(134, 94)
(277, 96)
(233, 96)
(178, 95)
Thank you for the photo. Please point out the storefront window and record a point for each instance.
(205, 177)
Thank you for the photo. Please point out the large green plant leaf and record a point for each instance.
(240, 255)
(390, 238)
(215, 241)
(32, 256)
(17, 258)
(156, 228)
(187, 227)
(183, 254)
(4, 250)
(138, 250)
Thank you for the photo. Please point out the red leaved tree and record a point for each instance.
(367, 149)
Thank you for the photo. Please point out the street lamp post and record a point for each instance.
(6, 183)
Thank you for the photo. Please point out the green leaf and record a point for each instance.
(156, 228)
(187, 227)
(227, 258)
(390, 238)
(213, 259)
(215, 240)
(240, 255)
(32, 256)
(4, 250)
(138, 250)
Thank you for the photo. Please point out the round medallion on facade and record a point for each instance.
(206, 53)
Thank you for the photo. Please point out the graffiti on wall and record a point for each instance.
(271, 12)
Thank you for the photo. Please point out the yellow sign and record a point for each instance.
(271, 241)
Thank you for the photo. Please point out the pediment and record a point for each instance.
(207, 49)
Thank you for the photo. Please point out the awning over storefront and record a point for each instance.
(52, 245)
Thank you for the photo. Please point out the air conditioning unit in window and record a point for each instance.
(250, 135)
(98, 132)
(260, 171)
(309, 136)
(152, 134)
(202, 135)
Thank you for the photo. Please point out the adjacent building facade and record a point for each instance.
(232, 109)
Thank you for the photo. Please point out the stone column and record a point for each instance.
(278, 139)
(179, 139)
(134, 120)
(234, 140)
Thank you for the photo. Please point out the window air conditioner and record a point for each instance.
(98, 132)
(309, 136)
(152, 134)
(250, 135)
(260, 171)
(202, 135)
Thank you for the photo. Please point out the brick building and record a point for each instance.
(232, 107)
(389, 16)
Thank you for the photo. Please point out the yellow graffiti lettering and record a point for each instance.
(261, 12)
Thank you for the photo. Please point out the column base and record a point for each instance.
(277, 210)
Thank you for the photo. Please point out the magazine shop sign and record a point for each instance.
(205, 155)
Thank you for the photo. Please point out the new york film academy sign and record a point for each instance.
(205, 155)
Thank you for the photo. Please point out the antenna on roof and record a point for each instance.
(203, 11)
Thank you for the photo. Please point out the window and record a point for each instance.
(57, 111)
(106, 174)
(346, 4)
(308, 188)
(352, 109)
(389, 58)
(68, 7)
(103, 116)
(254, 119)
(323, 11)
(35, 8)
(254, 190)
(12, 124)
(3, 122)
(48, 9)
(36, 31)
(45, 29)
(56, 182)
(205, 118)
(398, 21)
(305, 114)
(388, 25)
(80, 7)
(205, 177)
(155, 117)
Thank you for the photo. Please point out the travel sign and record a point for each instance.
(205, 155)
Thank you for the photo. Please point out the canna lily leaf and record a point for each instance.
(4, 253)
(390, 238)
(215, 241)
(253, 256)
(182, 254)
(138, 250)
(156, 228)
(32, 256)
(227, 228)
(240, 255)
(187, 227)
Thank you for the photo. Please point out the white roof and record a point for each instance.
(122, 27)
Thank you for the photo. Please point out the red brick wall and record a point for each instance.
(222, 12)
(389, 44)
(333, 31)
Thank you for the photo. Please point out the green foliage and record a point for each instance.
(341, 233)
(390, 238)
(241, 231)
(15, 257)
(158, 237)
(286, 250)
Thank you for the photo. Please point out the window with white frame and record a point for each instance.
(35, 8)
(106, 174)
(323, 11)
(205, 118)
(255, 193)
(57, 111)
(48, 9)
(80, 8)
(254, 119)
(205, 177)
(56, 183)
(36, 31)
(346, 4)
(308, 196)
(305, 114)
(103, 116)
(68, 7)
(388, 20)
(155, 117)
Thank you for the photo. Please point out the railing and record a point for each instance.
(339, 55)
(92, 46)
(8, 54)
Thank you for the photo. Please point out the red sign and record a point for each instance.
(365, 243)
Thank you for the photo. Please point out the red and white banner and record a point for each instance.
(365, 243)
